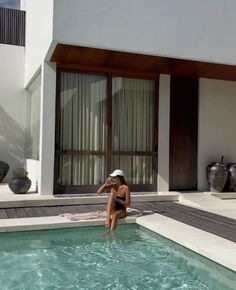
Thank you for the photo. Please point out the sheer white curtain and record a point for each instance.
(132, 127)
(33, 119)
(83, 123)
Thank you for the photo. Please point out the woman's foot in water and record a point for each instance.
(106, 233)
(108, 223)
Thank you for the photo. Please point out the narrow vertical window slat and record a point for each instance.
(12, 26)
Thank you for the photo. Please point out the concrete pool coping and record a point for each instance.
(213, 247)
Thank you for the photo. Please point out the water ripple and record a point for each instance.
(82, 259)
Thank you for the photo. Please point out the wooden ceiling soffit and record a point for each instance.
(109, 61)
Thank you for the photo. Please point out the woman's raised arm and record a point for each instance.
(103, 188)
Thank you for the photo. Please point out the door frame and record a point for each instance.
(77, 189)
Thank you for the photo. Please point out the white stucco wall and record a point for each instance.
(47, 129)
(217, 129)
(12, 106)
(187, 29)
(33, 173)
(39, 26)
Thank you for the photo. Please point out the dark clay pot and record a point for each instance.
(232, 176)
(4, 167)
(217, 174)
(19, 184)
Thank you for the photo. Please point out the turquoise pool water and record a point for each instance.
(80, 258)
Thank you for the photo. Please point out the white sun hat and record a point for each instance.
(117, 172)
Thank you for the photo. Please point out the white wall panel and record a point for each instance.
(188, 29)
(217, 130)
(39, 26)
(12, 106)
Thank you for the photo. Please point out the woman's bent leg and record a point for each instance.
(117, 215)
(110, 208)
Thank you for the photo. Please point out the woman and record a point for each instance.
(118, 199)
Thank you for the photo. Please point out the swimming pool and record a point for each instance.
(79, 258)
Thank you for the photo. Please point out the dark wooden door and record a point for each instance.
(183, 133)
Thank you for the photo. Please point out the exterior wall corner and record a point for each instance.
(47, 129)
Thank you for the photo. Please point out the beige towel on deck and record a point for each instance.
(101, 214)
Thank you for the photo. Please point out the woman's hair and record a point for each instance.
(122, 179)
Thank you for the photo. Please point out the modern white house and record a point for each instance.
(148, 86)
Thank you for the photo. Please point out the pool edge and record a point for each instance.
(210, 246)
(203, 243)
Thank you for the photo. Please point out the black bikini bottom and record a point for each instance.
(119, 206)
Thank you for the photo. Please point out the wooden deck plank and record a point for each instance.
(202, 213)
(11, 213)
(66, 209)
(40, 211)
(140, 206)
(58, 210)
(50, 211)
(82, 208)
(155, 207)
(3, 214)
(53, 209)
(20, 211)
(212, 223)
(73, 209)
(198, 217)
(31, 212)
(45, 210)
(96, 207)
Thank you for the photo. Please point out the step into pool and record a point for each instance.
(80, 258)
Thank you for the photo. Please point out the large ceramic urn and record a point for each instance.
(19, 185)
(217, 174)
(232, 176)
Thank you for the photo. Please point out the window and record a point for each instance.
(33, 119)
(104, 123)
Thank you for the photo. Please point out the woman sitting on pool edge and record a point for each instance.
(118, 200)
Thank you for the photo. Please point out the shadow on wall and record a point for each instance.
(12, 142)
(32, 142)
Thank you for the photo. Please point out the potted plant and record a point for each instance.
(20, 183)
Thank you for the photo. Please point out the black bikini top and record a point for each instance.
(121, 197)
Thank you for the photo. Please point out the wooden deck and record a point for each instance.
(209, 222)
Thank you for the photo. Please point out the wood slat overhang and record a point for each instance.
(110, 61)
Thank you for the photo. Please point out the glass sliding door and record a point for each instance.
(104, 123)
(81, 144)
(132, 131)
